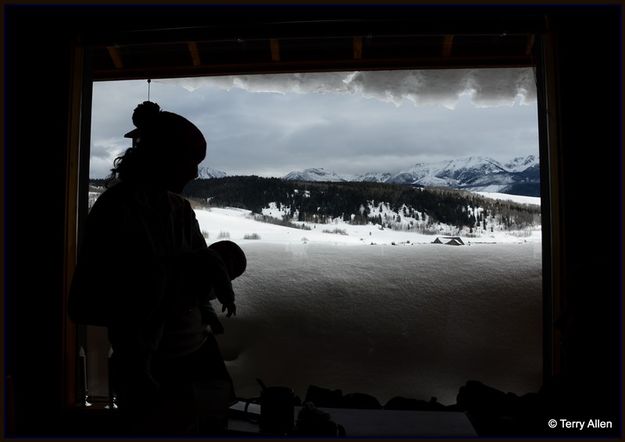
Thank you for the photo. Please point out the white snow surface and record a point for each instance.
(522, 199)
(414, 320)
(235, 224)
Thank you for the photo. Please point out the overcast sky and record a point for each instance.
(349, 123)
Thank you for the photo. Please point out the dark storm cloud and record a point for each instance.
(346, 122)
(489, 86)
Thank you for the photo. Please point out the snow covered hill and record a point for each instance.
(519, 164)
(278, 225)
(521, 199)
(209, 172)
(414, 321)
(241, 225)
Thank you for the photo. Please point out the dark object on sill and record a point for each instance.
(360, 401)
(276, 409)
(314, 422)
(494, 413)
(324, 397)
(402, 403)
(94, 421)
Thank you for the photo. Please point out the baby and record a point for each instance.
(236, 262)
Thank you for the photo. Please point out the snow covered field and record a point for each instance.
(236, 224)
(413, 319)
(521, 199)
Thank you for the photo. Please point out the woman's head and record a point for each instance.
(166, 151)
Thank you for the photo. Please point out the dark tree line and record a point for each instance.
(321, 202)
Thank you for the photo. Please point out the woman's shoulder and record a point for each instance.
(111, 200)
(178, 202)
(116, 192)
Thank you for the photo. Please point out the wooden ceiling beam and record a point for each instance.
(115, 56)
(409, 25)
(312, 66)
(274, 44)
(448, 42)
(195, 53)
(530, 44)
(357, 44)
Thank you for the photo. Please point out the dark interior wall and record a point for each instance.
(588, 54)
(37, 90)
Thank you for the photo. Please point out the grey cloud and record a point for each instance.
(490, 87)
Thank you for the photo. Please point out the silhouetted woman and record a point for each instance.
(144, 270)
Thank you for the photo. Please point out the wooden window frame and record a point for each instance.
(552, 244)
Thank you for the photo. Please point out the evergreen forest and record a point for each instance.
(356, 202)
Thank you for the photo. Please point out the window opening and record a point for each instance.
(391, 221)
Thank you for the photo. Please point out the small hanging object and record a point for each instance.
(149, 81)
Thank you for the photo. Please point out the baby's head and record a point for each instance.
(232, 256)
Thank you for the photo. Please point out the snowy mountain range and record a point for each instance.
(520, 175)
(209, 172)
(316, 174)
